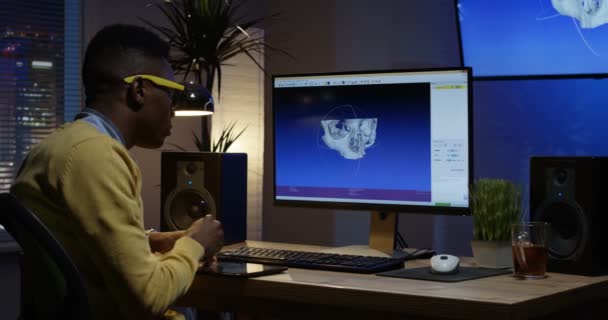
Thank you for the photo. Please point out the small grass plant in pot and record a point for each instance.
(495, 206)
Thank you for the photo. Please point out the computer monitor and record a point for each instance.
(535, 38)
(387, 141)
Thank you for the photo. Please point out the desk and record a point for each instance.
(313, 294)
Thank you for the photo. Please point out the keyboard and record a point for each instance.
(312, 260)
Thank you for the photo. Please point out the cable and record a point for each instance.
(400, 241)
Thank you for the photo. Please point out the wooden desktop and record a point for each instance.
(313, 294)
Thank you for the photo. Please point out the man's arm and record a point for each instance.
(101, 188)
(163, 242)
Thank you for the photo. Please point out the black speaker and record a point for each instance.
(567, 192)
(194, 184)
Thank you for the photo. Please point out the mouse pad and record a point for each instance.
(465, 273)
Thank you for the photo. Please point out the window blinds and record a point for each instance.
(40, 49)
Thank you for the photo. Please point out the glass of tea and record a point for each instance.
(529, 245)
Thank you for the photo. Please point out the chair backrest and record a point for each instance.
(52, 286)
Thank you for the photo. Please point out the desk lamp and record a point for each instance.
(194, 100)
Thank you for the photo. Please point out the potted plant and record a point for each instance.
(222, 144)
(204, 35)
(495, 205)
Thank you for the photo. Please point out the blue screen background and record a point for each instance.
(516, 119)
(525, 37)
(399, 158)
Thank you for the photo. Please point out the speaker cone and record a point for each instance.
(183, 207)
(568, 230)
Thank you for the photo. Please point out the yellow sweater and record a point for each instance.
(86, 188)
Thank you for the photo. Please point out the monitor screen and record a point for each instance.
(534, 37)
(396, 140)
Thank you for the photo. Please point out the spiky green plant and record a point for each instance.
(223, 143)
(204, 34)
(495, 205)
(226, 139)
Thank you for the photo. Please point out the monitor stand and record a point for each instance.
(382, 231)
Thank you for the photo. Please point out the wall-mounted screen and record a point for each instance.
(534, 37)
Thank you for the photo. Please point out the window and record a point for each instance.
(40, 49)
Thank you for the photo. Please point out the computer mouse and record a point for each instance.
(444, 264)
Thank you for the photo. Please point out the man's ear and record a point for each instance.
(135, 95)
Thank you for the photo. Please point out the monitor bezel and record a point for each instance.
(365, 207)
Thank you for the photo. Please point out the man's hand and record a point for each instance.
(209, 264)
(209, 233)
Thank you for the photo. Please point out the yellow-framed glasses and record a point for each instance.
(157, 80)
(191, 100)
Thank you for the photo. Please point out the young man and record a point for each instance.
(83, 184)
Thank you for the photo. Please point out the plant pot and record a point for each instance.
(492, 254)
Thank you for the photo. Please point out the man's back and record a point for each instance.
(85, 187)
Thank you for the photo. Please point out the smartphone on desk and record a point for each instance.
(242, 269)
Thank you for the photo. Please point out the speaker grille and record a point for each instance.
(183, 207)
(568, 232)
(568, 192)
(194, 184)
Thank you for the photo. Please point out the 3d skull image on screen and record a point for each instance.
(350, 137)
(589, 13)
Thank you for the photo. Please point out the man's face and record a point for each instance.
(153, 123)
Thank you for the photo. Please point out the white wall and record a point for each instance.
(242, 100)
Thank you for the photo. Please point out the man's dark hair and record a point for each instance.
(118, 51)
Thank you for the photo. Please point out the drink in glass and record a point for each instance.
(529, 245)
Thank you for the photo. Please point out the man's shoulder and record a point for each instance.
(77, 141)
(75, 144)
(77, 134)
(80, 131)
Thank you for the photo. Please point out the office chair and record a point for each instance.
(52, 287)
